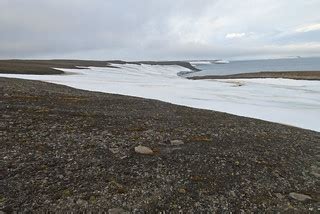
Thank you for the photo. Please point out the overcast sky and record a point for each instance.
(159, 29)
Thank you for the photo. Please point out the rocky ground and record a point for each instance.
(64, 149)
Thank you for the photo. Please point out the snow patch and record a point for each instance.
(292, 102)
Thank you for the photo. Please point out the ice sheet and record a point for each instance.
(292, 102)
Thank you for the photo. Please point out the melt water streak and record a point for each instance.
(291, 102)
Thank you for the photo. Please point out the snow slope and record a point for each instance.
(292, 102)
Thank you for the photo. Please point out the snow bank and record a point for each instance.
(292, 102)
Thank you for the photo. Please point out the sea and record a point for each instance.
(251, 66)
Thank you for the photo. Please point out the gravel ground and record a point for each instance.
(64, 149)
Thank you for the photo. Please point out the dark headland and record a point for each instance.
(46, 67)
(64, 149)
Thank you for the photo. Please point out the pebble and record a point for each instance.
(279, 196)
(114, 150)
(299, 197)
(315, 171)
(82, 203)
(117, 211)
(143, 150)
(182, 191)
(233, 194)
(176, 142)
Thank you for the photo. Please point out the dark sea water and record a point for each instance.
(250, 66)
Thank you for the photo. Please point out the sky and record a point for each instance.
(159, 30)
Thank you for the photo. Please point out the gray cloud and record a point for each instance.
(149, 29)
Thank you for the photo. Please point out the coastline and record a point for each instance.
(296, 75)
(69, 149)
(51, 67)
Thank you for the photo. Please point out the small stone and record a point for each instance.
(117, 211)
(182, 191)
(6, 95)
(44, 181)
(233, 194)
(279, 196)
(118, 187)
(315, 171)
(66, 193)
(196, 178)
(2, 199)
(315, 174)
(82, 203)
(114, 150)
(92, 199)
(143, 150)
(176, 142)
(299, 197)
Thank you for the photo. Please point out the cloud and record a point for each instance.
(235, 35)
(152, 29)
(308, 28)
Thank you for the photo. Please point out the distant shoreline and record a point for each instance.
(296, 75)
(51, 67)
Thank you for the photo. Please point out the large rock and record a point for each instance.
(299, 197)
(143, 150)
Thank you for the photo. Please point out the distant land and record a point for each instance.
(51, 67)
(45, 67)
(304, 75)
